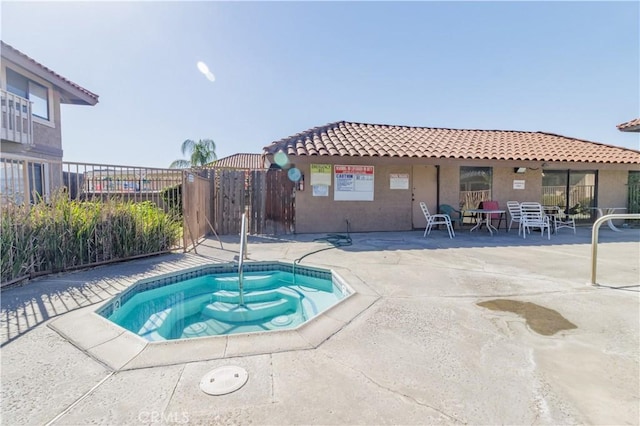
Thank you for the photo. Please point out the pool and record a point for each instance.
(205, 301)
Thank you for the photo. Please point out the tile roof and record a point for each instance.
(630, 126)
(240, 161)
(7, 49)
(379, 140)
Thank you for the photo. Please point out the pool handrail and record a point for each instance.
(241, 256)
(594, 238)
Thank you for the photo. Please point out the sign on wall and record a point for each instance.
(518, 184)
(320, 190)
(321, 174)
(353, 183)
(399, 181)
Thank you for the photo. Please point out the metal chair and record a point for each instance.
(514, 212)
(436, 219)
(532, 216)
(563, 220)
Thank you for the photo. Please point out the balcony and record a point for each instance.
(17, 122)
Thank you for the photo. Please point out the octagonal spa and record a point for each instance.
(197, 314)
(218, 300)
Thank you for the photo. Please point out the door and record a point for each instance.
(574, 191)
(425, 188)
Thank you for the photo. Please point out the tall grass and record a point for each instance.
(65, 234)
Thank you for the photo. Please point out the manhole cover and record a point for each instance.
(224, 380)
(282, 320)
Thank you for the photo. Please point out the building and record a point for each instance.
(630, 126)
(30, 128)
(239, 162)
(375, 175)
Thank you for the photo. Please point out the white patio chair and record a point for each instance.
(563, 220)
(532, 216)
(436, 219)
(514, 213)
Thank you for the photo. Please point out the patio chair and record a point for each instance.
(493, 205)
(532, 216)
(454, 214)
(436, 219)
(563, 220)
(514, 212)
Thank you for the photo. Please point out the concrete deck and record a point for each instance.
(420, 350)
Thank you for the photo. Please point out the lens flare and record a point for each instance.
(294, 174)
(204, 69)
(281, 159)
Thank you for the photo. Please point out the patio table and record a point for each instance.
(608, 210)
(485, 217)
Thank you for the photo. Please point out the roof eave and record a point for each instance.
(635, 128)
(69, 93)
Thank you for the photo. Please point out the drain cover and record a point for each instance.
(224, 380)
(281, 320)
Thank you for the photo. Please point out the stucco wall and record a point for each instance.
(503, 183)
(395, 210)
(389, 211)
(612, 188)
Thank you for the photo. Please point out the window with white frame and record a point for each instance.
(29, 89)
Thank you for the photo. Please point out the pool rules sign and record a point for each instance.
(353, 183)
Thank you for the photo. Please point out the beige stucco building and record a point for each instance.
(30, 126)
(396, 167)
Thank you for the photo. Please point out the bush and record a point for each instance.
(172, 198)
(63, 234)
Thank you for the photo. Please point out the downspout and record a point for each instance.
(437, 188)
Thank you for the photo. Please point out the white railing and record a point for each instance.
(242, 256)
(594, 238)
(17, 122)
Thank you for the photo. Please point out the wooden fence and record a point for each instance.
(267, 197)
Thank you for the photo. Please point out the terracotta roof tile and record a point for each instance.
(630, 126)
(38, 64)
(370, 140)
(240, 161)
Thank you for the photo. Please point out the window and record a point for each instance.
(572, 190)
(475, 186)
(17, 186)
(36, 93)
(12, 181)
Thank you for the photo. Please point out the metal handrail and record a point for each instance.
(243, 249)
(594, 238)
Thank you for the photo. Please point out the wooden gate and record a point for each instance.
(267, 196)
(271, 203)
(231, 200)
(197, 195)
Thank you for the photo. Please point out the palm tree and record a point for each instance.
(200, 153)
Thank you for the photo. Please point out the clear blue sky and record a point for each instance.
(570, 68)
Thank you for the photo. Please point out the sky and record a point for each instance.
(280, 68)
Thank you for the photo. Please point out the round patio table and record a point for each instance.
(485, 217)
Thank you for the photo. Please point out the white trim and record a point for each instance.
(51, 122)
(10, 55)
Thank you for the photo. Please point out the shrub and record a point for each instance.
(63, 234)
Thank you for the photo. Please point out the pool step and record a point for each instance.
(253, 296)
(249, 282)
(252, 311)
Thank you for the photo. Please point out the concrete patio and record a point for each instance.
(420, 351)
